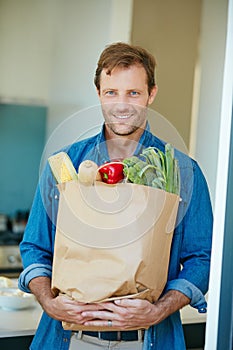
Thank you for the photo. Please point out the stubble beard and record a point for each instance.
(126, 131)
(125, 128)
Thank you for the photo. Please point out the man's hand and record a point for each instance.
(64, 309)
(59, 307)
(136, 313)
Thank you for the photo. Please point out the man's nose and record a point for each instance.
(122, 103)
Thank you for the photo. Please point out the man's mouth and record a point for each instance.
(122, 116)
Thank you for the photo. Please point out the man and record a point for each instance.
(126, 87)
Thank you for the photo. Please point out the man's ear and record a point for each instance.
(153, 93)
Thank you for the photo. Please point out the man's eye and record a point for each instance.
(110, 93)
(134, 93)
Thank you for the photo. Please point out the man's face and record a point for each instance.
(124, 99)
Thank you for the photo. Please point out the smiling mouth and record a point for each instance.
(122, 116)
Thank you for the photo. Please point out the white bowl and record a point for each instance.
(14, 299)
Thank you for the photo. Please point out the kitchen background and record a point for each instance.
(48, 58)
(49, 50)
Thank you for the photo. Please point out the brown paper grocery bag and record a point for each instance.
(112, 241)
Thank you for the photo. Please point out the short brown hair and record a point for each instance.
(124, 55)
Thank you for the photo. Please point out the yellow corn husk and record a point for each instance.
(62, 167)
(64, 174)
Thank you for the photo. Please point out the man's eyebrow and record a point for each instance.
(107, 89)
(128, 90)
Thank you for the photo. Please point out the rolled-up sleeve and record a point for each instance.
(197, 299)
(33, 271)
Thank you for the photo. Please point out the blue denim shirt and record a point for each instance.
(190, 252)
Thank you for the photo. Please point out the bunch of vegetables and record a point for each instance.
(154, 168)
(151, 168)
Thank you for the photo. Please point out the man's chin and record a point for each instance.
(124, 131)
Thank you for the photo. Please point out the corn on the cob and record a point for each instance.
(62, 167)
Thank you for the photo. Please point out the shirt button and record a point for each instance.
(56, 196)
(65, 340)
(202, 310)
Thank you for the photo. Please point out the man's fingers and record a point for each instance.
(134, 303)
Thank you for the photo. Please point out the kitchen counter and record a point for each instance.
(14, 323)
(189, 315)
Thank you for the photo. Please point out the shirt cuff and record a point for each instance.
(32, 271)
(191, 291)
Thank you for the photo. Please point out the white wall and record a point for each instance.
(26, 33)
(208, 90)
(49, 51)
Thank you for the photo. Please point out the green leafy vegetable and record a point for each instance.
(154, 168)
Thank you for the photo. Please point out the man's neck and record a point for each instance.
(120, 147)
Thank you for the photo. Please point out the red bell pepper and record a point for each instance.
(111, 172)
